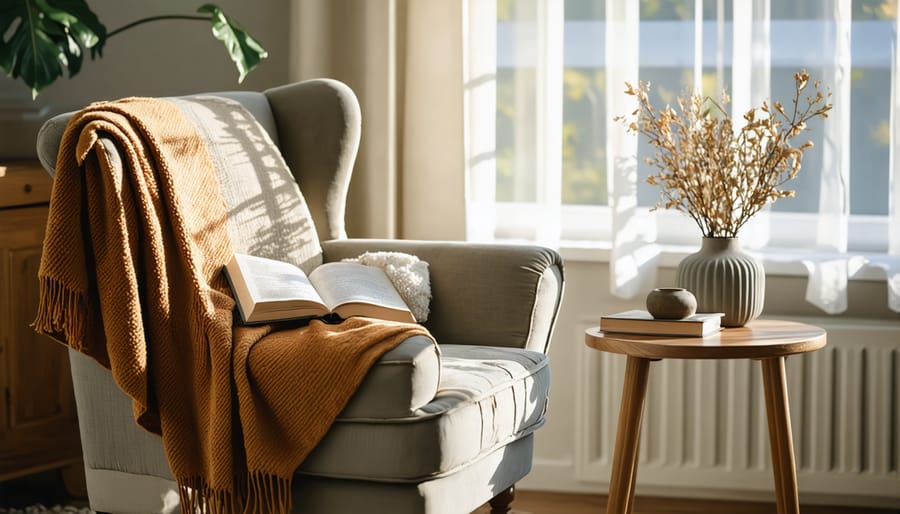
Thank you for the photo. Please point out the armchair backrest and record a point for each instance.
(315, 123)
(497, 295)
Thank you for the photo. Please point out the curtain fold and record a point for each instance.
(751, 72)
(751, 56)
(404, 60)
(892, 268)
(480, 107)
(633, 257)
(549, 120)
(828, 278)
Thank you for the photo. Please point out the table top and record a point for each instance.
(759, 339)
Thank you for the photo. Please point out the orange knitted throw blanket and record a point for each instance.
(131, 275)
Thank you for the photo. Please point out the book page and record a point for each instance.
(352, 289)
(268, 290)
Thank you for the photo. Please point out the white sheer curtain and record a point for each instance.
(480, 100)
(892, 266)
(828, 277)
(531, 205)
(633, 256)
(536, 50)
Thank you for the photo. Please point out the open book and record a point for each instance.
(269, 290)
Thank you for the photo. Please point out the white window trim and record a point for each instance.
(776, 263)
(586, 237)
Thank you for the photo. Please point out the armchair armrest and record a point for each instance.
(482, 293)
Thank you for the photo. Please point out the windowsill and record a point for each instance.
(776, 262)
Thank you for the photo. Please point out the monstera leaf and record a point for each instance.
(41, 39)
(245, 51)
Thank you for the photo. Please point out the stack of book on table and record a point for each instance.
(641, 322)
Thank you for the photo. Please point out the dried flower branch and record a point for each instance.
(717, 176)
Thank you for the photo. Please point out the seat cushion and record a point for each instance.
(398, 385)
(487, 397)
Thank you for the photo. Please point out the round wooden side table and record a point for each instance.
(769, 341)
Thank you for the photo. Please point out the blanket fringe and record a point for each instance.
(267, 493)
(60, 311)
(255, 493)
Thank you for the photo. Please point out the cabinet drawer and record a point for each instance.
(23, 183)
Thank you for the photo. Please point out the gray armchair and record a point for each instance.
(426, 432)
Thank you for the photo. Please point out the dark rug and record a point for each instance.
(39, 509)
(39, 493)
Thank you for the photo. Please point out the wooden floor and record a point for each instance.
(533, 502)
(47, 488)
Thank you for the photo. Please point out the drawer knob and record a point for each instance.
(28, 188)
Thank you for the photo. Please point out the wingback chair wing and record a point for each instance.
(437, 432)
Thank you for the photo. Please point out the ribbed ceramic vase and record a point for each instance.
(724, 279)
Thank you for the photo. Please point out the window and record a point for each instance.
(683, 44)
(561, 163)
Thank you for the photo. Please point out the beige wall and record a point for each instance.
(160, 58)
(354, 41)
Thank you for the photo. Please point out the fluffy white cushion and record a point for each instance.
(409, 275)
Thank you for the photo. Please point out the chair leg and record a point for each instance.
(501, 504)
(73, 480)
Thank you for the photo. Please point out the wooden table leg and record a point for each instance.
(629, 507)
(628, 433)
(780, 438)
(774, 444)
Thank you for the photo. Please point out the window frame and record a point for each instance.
(773, 232)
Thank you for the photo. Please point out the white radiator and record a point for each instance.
(705, 432)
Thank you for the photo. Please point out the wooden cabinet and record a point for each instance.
(38, 424)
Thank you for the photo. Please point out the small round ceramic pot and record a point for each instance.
(671, 303)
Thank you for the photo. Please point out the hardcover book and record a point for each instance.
(267, 290)
(641, 322)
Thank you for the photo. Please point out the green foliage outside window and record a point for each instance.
(584, 139)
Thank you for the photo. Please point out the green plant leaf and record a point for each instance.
(245, 52)
(78, 19)
(42, 38)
